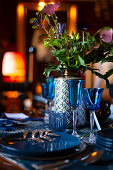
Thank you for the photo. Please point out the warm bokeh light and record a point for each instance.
(12, 94)
(41, 5)
(73, 13)
(51, 3)
(20, 10)
(94, 154)
(38, 88)
(13, 67)
(21, 13)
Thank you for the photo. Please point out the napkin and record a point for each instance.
(16, 115)
(20, 116)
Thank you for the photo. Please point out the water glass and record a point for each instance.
(57, 121)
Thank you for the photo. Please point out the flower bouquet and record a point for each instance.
(81, 50)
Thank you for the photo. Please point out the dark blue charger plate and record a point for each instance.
(105, 148)
(105, 134)
(104, 143)
(59, 156)
(29, 147)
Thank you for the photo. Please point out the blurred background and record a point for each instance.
(23, 56)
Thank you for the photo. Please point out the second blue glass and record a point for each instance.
(75, 86)
(92, 98)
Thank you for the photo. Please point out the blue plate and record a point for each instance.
(16, 143)
(64, 155)
(103, 147)
(104, 143)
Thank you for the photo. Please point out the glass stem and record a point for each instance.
(75, 111)
(49, 104)
(91, 121)
(92, 136)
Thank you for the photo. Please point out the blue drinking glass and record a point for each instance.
(92, 98)
(75, 86)
(48, 91)
(43, 85)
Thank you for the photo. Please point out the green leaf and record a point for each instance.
(50, 68)
(51, 31)
(37, 13)
(105, 76)
(32, 20)
(111, 51)
(77, 36)
(34, 27)
(109, 73)
(106, 28)
(81, 61)
(45, 18)
(60, 54)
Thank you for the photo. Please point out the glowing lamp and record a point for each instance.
(13, 67)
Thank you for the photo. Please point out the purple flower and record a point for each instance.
(106, 35)
(50, 8)
(62, 27)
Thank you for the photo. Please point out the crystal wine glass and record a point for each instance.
(75, 86)
(43, 85)
(48, 91)
(92, 98)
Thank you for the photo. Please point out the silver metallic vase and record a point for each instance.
(62, 103)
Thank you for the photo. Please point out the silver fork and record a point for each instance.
(33, 133)
(25, 133)
(51, 134)
(36, 139)
(42, 135)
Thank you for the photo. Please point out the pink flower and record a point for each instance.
(106, 35)
(50, 8)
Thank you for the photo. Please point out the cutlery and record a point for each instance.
(51, 134)
(25, 133)
(46, 137)
(34, 133)
(38, 140)
(41, 135)
(87, 159)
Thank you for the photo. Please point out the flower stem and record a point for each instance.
(83, 36)
(56, 25)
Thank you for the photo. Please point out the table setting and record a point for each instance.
(62, 137)
(49, 145)
(41, 144)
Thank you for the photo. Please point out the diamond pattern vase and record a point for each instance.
(62, 102)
